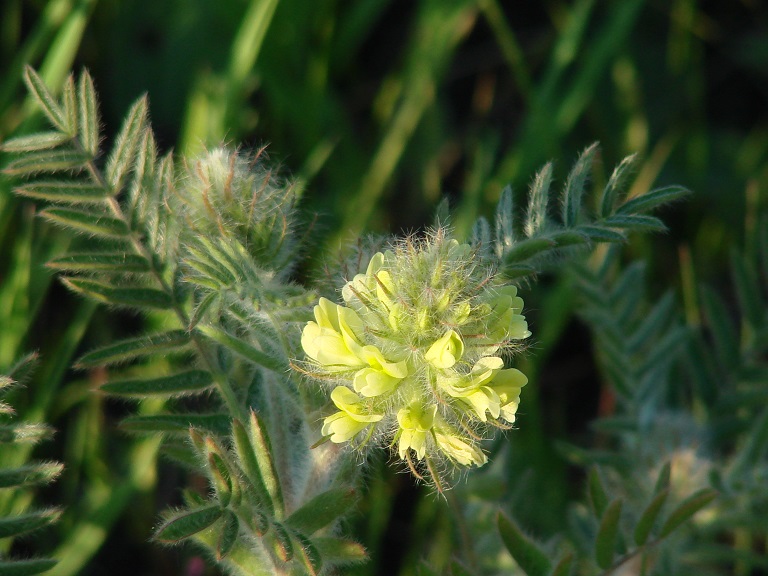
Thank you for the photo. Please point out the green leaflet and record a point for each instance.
(51, 109)
(635, 223)
(57, 160)
(116, 262)
(648, 517)
(321, 510)
(616, 184)
(653, 199)
(190, 382)
(538, 201)
(134, 348)
(30, 475)
(35, 142)
(574, 186)
(597, 493)
(88, 115)
(88, 222)
(262, 447)
(339, 551)
(26, 567)
(181, 526)
(31, 433)
(281, 542)
(230, 530)
(138, 297)
(73, 192)
(248, 459)
(607, 534)
(532, 559)
(28, 522)
(127, 145)
(686, 509)
(308, 555)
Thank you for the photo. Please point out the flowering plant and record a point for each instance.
(415, 356)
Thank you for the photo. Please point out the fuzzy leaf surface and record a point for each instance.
(127, 144)
(134, 297)
(73, 192)
(133, 348)
(607, 534)
(187, 523)
(653, 199)
(322, 510)
(45, 99)
(24, 523)
(190, 382)
(30, 475)
(35, 142)
(88, 222)
(116, 262)
(339, 551)
(532, 559)
(57, 160)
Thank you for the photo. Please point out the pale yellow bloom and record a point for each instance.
(350, 420)
(415, 423)
(489, 389)
(332, 340)
(461, 452)
(446, 351)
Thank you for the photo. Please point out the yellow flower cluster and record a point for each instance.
(415, 353)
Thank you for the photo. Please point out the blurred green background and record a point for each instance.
(379, 109)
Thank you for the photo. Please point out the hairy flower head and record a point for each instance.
(234, 195)
(415, 353)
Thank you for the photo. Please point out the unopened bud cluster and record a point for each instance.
(415, 354)
(233, 195)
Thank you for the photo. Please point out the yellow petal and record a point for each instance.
(446, 351)
(350, 403)
(341, 427)
(459, 451)
(371, 382)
